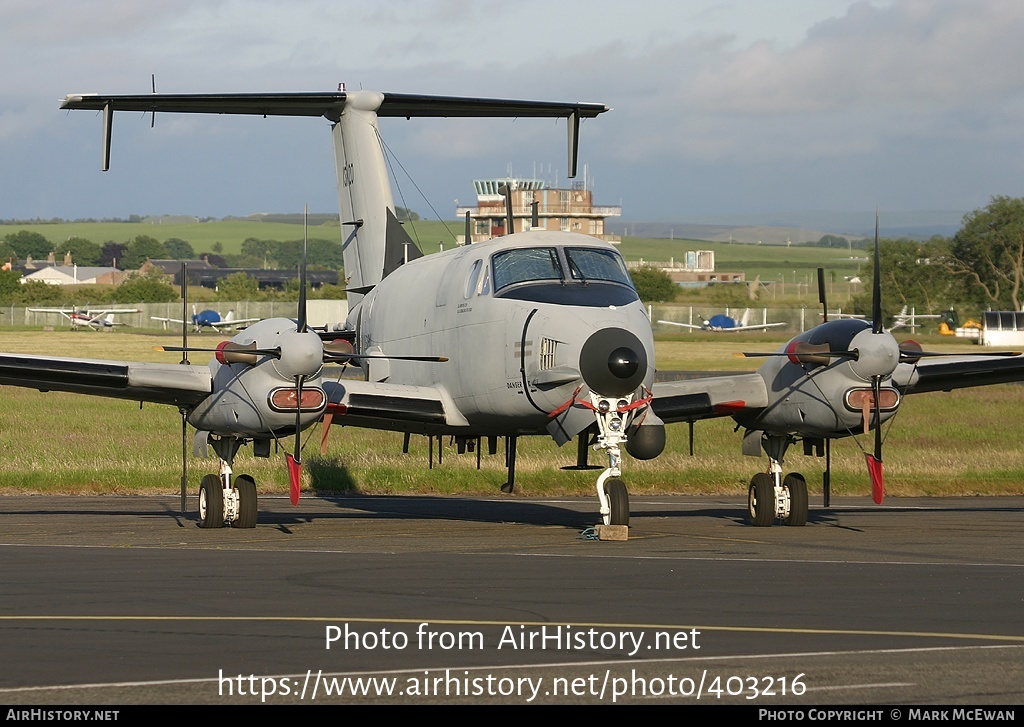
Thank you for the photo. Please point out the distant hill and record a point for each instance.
(777, 228)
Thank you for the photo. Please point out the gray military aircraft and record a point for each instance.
(534, 333)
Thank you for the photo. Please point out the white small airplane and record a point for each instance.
(209, 319)
(723, 322)
(95, 318)
(909, 320)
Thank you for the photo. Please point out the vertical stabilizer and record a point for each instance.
(364, 191)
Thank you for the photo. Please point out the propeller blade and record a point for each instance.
(329, 356)
(875, 460)
(805, 353)
(877, 479)
(910, 352)
(294, 479)
(229, 352)
(876, 286)
(302, 327)
(294, 461)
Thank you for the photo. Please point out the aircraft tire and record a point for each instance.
(761, 500)
(797, 486)
(618, 500)
(211, 502)
(247, 502)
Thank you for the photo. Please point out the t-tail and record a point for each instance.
(374, 243)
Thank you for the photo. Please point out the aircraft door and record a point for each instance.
(522, 352)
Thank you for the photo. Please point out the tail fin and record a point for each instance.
(373, 241)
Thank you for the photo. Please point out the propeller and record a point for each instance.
(874, 460)
(294, 462)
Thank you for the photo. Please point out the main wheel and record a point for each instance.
(247, 507)
(618, 499)
(761, 500)
(797, 486)
(211, 502)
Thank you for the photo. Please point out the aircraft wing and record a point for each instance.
(683, 325)
(180, 385)
(166, 320)
(948, 373)
(395, 407)
(708, 397)
(66, 312)
(761, 327)
(230, 324)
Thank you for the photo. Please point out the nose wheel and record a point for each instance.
(618, 502)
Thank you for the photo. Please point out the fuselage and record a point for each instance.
(528, 321)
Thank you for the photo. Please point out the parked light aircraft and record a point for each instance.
(95, 318)
(209, 319)
(909, 320)
(534, 333)
(725, 322)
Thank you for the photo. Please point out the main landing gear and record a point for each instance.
(225, 499)
(772, 496)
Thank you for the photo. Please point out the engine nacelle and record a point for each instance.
(646, 441)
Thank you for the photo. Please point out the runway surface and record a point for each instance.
(124, 600)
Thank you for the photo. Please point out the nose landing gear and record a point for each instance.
(613, 416)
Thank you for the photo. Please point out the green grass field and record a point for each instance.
(959, 443)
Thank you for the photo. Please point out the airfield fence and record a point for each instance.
(319, 313)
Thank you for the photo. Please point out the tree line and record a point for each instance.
(981, 267)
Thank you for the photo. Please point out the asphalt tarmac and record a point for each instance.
(414, 600)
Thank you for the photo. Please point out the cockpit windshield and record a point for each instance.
(589, 276)
(526, 264)
(587, 263)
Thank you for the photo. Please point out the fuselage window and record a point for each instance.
(526, 264)
(586, 263)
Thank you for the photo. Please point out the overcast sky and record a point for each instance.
(719, 108)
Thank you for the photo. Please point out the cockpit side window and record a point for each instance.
(473, 279)
(526, 264)
(586, 263)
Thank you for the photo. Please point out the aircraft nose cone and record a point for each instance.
(624, 362)
(613, 362)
